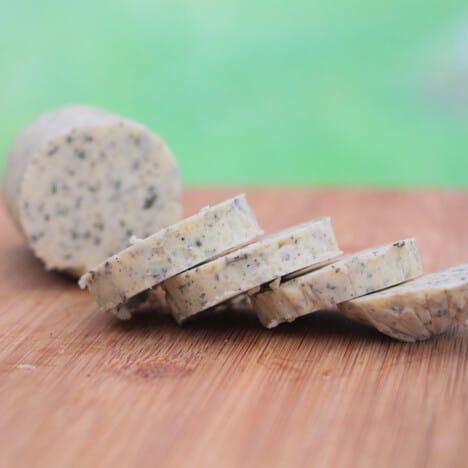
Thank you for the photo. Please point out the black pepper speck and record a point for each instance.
(53, 187)
(53, 150)
(79, 153)
(150, 198)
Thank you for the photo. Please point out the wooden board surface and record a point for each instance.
(79, 388)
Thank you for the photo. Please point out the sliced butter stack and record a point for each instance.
(150, 261)
(212, 283)
(348, 278)
(418, 309)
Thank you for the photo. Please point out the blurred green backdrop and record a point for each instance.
(257, 91)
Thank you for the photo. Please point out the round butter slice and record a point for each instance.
(418, 309)
(350, 277)
(237, 272)
(189, 242)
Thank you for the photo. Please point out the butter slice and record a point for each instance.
(150, 261)
(350, 277)
(237, 272)
(418, 309)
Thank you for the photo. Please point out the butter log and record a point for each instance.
(79, 181)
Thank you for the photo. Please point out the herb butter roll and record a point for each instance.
(237, 272)
(418, 309)
(350, 277)
(148, 262)
(79, 181)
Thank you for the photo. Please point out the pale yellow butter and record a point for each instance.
(79, 181)
(352, 276)
(237, 272)
(150, 261)
(418, 309)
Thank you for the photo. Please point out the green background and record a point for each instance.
(330, 92)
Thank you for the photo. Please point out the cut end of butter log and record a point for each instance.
(418, 309)
(350, 277)
(148, 262)
(274, 256)
(79, 181)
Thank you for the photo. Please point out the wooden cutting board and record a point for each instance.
(79, 388)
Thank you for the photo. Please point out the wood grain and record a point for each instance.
(79, 388)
